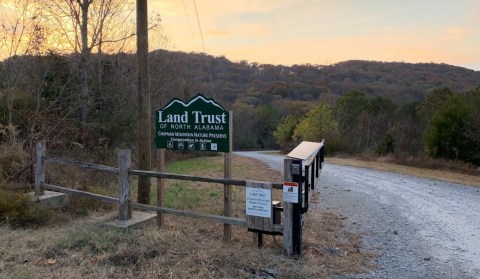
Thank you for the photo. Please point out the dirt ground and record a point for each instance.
(420, 227)
(444, 175)
(184, 248)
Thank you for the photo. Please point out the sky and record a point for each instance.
(326, 31)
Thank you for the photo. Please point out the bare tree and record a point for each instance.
(16, 22)
(86, 27)
(80, 26)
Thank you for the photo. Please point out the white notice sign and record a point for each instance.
(258, 202)
(290, 192)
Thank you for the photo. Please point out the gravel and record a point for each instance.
(421, 228)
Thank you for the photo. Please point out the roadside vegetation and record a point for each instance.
(77, 91)
(79, 246)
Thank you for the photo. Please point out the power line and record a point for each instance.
(204, 49)
(188, 20)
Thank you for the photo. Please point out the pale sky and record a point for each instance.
(327, 31)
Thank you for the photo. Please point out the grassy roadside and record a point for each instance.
(184, 248)
(444, 175)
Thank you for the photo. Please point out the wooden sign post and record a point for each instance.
(201, 124)
(227, 189)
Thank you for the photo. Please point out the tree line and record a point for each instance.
(44, 105)
(444, 125)
(77, 89)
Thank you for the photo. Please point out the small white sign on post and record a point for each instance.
(258, 202)
(290, 192)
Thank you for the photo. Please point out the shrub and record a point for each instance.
(12, 154)
(18, 210)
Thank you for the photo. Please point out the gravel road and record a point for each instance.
(421, 228)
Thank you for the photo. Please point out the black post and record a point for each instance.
(312, 174)
(297, 208)
(307, 183)
(259, 240)
(322, 156)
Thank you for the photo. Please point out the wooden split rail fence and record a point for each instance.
(125, 205)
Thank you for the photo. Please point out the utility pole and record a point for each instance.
(144, 110)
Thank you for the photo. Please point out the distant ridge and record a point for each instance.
(186, 74)
(399, 81)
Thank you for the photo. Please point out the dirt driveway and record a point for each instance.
(421, 228)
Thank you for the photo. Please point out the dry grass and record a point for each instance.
(184, 248)
(383, 165)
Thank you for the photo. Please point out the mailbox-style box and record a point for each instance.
(301, 169)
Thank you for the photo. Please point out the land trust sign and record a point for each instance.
(201, 124)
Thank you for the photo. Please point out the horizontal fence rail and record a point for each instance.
(184, 213)
(80, 193)
(177, 212)
(78, 164)
(41, 185)
(229, 181)
(302, 167)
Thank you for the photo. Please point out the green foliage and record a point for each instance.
(407, 129)
(317, 125)
(364, 122)
(192, 165)
(446, 136)
(18, 210)
(244, 136)
(181, 195)
(387, 145)
(377, 121)
(433, 102)
(268, 119)
(284, 132)
(347, 111)
(472, 130)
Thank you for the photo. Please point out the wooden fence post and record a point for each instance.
(160, 186)
(124, 163)
(287, 212)
(39, 169)
(227, 189)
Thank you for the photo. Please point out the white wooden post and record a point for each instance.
(39, 169)
(124, 163)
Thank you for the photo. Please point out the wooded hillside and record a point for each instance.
(400, 82)
(364, 105)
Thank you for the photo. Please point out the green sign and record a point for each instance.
(201, 124)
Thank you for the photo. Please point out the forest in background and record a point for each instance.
(357, 106)
(69, 76)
